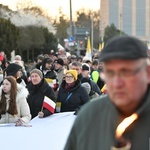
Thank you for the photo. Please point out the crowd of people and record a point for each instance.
(121, 73)
(68, 81)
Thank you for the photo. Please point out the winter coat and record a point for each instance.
(60, 75)
(93, 95)
(72, 99)
(98, 121)
(21, 82)
(97, 79)
(22, 106)
(94, 86)
(36, 97)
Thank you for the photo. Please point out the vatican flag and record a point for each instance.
(88, 50)
(101, 46)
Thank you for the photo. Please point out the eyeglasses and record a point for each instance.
(69, 77)
(125, 73)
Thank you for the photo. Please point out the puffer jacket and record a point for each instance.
(72, 99)
(22, 107)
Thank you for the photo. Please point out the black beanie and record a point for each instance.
(12, 69)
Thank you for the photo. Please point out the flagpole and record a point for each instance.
(42, 109)
(92, 33)
(71, 22)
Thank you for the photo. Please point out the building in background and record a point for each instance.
(129, 16)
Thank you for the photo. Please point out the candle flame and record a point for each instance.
(124, 124)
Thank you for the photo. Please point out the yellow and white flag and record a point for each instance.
(101, 46)
(88, 50)
(51, 82)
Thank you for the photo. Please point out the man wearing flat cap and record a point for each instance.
(127, 76)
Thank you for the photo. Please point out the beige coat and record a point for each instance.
(22, 107)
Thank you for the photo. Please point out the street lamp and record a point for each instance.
(71, 23)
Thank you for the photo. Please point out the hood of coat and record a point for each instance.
(22, 92)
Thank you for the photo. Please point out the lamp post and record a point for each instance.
(71, 23)
(92, 33)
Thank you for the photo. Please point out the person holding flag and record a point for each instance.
(41, 97)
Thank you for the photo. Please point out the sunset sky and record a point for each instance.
(52, 6)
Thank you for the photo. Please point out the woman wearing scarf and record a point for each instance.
(71, 95)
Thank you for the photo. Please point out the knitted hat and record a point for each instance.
(37, 71)
(12, 69)
(41, 57)
(59, 61)
(124, 47)
(73, 72)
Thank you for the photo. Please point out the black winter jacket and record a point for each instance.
(98, 120)
(36, 97)
(74, 98)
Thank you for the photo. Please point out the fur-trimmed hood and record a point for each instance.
(22, 92)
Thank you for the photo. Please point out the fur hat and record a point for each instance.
(12, 69)
(74, 73)
(37, 71)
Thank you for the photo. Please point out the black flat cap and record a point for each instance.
(124, 47)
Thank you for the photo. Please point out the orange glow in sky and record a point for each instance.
(52, 6)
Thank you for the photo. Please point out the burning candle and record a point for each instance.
(121, 143)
